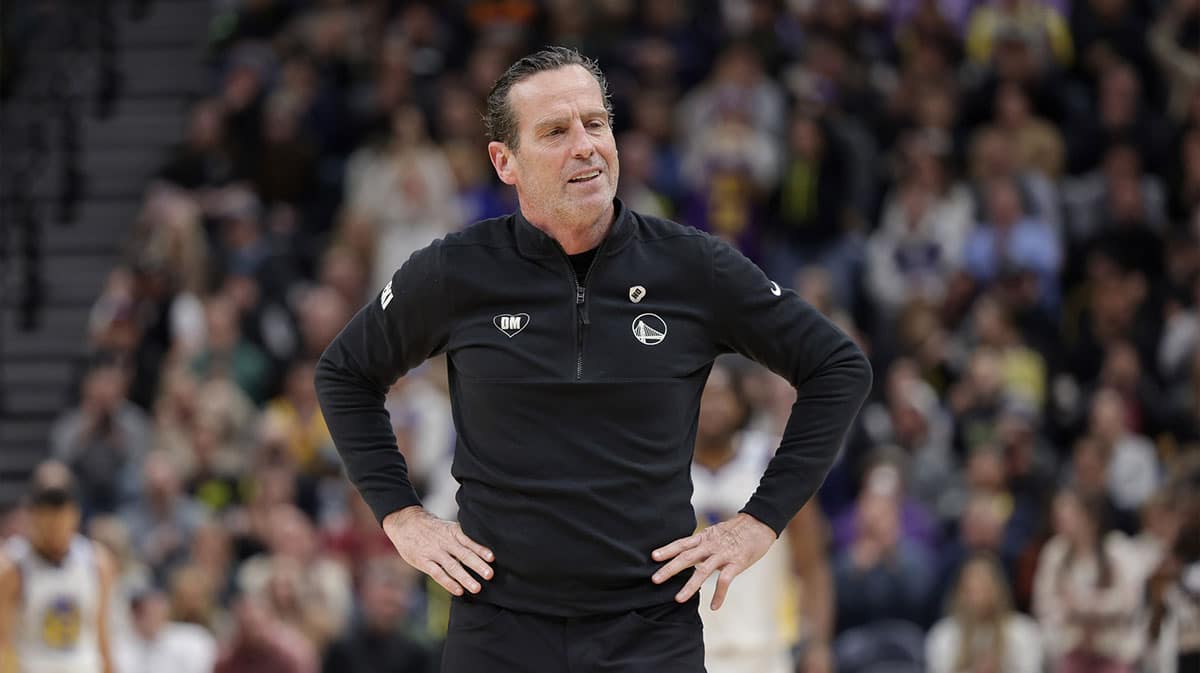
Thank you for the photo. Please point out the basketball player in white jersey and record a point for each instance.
(54, 587)
(764, 615)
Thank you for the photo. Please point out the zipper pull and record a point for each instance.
(581, 304)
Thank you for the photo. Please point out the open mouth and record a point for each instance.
(586, 177)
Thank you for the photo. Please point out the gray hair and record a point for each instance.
(500, 122)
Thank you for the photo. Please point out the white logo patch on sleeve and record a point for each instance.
(775, 289)
(386, 297)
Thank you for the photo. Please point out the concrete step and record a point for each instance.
(169, 22)
(35, 373)
(166, 70)
(43, 403)
(127, 130)
(25, 431)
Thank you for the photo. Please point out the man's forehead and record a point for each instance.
(567, 87)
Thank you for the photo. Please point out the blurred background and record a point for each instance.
(999, 200)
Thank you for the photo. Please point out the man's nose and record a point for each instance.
(581, 142)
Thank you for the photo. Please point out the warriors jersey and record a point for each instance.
(761, 608)
(56, 631)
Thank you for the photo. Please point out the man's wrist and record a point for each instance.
(401, 515)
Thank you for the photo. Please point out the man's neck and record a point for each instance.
(575, 237)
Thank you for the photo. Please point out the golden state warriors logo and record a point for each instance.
(61, 623)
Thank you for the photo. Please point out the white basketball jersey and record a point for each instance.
(761, 608)
(56, 632)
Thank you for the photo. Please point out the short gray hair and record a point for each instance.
(500, 122)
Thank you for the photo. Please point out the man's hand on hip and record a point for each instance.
(438, 548)
(728, 548)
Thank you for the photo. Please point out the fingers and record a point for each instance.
(703, 570)
(669, 551)
(470, 559)
(443, 578)
(480, 550)
(460, 575)
(725, 577)
(685, 560)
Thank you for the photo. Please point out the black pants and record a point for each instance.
(483, 638)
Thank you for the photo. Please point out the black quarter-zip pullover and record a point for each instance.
(576, 403)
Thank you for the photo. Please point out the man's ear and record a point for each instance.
(503, 162)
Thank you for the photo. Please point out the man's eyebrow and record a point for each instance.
(561, 120)
(547, 122)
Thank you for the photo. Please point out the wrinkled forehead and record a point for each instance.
(562, 91)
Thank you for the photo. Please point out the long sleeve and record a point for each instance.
(400, 328)
(831, 375)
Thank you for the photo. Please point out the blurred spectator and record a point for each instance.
(1038, 144)
(204, 159)
(812, 201)
(201, 426)
(406, 188)
(1116, 193)
(103, 440)
(1174, 39)
(196, 599)
(637, 175)
(284, 170)
(883, 573)
(1041, 24)
(262, 643)
(375, 642)
(1009, 241)
(227, 355)
(1022, 370)
(992, 157)
(322, 314)
(728, 176)
(355, 538)
(1110, 31)
(925, 221)
(162, 519)
(1133, 469)
(1087, 592)
(913, 420)
(981, 631)
(313, 591)
(1121, 115)
(296, 415)
(158, 644)
(738, 79)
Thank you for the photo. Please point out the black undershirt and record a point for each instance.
(582, 262)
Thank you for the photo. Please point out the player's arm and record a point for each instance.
(10, 608)
(807, 536)
(107, 569)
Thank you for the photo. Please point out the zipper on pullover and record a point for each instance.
(581, 311)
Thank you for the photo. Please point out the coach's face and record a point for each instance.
(565, 164)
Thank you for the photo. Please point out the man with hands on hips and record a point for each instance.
(579, 335)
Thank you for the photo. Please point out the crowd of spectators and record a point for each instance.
(998, 199)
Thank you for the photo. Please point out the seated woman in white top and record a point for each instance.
(1088, 591)
(983, 633)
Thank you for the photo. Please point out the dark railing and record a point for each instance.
(55, 56)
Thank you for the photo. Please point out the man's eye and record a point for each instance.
(554, 132)
(596, 124)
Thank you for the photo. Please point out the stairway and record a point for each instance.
(160, 59)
